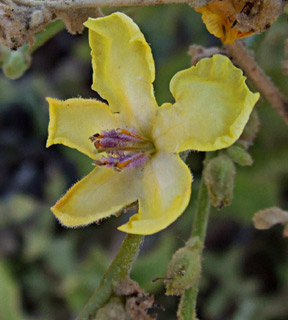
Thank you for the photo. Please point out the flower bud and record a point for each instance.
(219, 178)
(239, 155)
(184, 268)
(184, 155)
(251, 129)
(16, 64)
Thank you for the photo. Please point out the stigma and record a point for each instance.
(123, 148)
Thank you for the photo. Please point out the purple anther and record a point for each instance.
(131, 160)
(123, 147)
(117, 139)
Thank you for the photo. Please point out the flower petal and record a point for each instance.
(212, 107)
(73, 121)
(123, 68)
(166, 189)
(100, 194)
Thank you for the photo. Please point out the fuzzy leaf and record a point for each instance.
(267, 218)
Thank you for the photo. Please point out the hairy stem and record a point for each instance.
(244, 60)
(42, 37)
(187, 306)
(118, 270)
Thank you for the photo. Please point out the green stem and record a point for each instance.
(42, 37)
(118, 270)
(187, 306)
(15, 63)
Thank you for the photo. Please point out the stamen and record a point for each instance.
(124, 148)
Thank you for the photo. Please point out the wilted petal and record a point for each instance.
(212, 106)
(220, 19)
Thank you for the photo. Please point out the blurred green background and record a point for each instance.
(48, 272)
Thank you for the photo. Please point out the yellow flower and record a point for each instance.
(141, 141)
(235, 19)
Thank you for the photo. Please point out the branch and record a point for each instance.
(244, 60)
(75, 4)
(21, 19)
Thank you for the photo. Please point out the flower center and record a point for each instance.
(123, 148)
